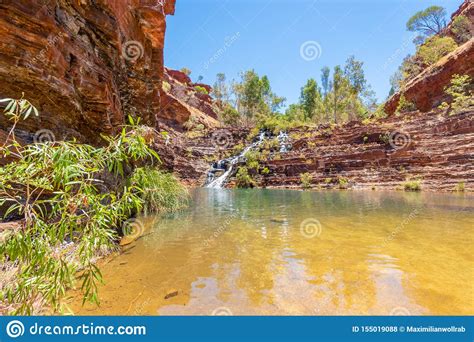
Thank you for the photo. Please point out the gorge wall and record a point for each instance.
(85, 65)
(426, 90)
(436, 149)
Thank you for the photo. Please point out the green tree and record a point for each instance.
(220, 90)
(255, 96)
(428, 22)
(295, 112)
(354, 72)
(395, 81)
(358, 87)
(310, 99)
(340, 94)
(325, 74)
(325, 71)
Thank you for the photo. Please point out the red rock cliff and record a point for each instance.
(427, 89)
(85, 64)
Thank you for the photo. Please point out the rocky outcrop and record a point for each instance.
(85, 65)
(184, 100)
(190, 157)
(426, 90)
(435, 149)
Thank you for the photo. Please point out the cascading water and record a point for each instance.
(227, 165)
(284, 141)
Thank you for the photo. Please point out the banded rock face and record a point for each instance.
(84, 64)
(437, 149)
(433, 147)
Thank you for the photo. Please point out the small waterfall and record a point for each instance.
(284, 141)
(227, 165)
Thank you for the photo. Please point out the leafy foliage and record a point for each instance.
(201, 90)
(70, 196)
(461, 92)
(186, 71)
(158, 191)
(460, 27)
(243, 179)
(436, 47)
(305, 179)
(412, 185)
(311, 100)
(428, 22)
(404, 105)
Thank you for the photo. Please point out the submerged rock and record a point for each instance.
(171, 294)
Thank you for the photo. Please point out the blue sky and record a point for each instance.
(212, 36)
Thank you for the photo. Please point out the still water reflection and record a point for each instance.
(275, 252)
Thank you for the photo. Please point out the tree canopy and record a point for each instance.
(428, 22)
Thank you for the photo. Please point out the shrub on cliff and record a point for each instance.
(201, 90)
(460, 27)
(461, 92)
(70, 197)
(243, 179)
(412, 184)
(435, 48)
(186, 71)
(404, 105)
(306, 179)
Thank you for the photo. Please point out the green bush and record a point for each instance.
(343, 183)
(460, 187)
(404, 105)
(412, 185)
(201, 90)
(435, 48)
(166, 86)
(159, 191)
(460, 27)
(71, 197)
(461, 93)
(243, 179)
(306, 179)
(229, 115)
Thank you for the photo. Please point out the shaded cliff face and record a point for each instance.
(85, 65)
(426, 90)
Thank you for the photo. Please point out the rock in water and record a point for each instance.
(171, 294)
